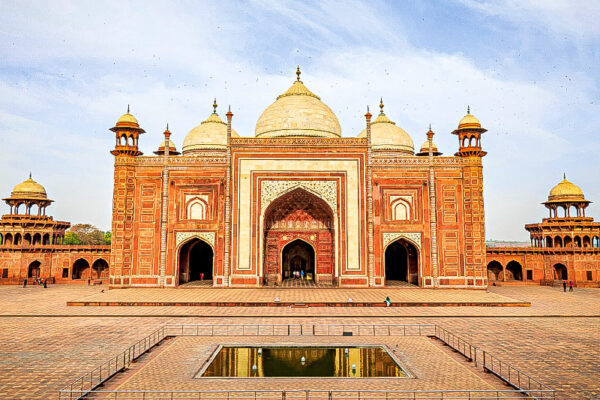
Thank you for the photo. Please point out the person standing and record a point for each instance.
(565, 286)
(570, 286)
(302, 275)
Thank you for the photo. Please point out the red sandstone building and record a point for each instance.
(298, 198)
(564, 247)
(31, 243)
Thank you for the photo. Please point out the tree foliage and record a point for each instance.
(86, 234)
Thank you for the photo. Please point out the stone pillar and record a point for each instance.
(164, 209)
(227, 253)
(432, 210)
(369, 173)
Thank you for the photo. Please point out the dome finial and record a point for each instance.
(127, 108)
(430, 126)
(468, 109)
(381, 104)
(215, 106)
(298, 73)
(564, 175)
(29, 174)
(167, 126)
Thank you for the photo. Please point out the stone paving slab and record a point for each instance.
(39, 355)
(321, 297)
(545, 301)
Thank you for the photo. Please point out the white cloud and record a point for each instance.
(573, 17)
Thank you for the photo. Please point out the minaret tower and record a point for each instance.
(127, 132)
(469, 136)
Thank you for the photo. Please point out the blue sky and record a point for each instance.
(529, 70)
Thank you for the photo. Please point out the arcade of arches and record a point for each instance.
(195, 261)
(402, 262)
(299, 235)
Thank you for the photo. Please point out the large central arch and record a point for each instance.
(298, 215)
(195, 261)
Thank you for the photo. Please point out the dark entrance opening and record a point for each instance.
(81, 269)
(34, 270)
(195, 261)
(494, 270)
(560, 272)
(514, 271)
(401, 262)
(298, 256)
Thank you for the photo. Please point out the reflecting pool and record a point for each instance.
(276, 361)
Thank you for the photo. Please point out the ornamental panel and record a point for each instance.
(206, 236)
(389, 237)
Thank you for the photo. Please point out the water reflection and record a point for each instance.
(351, 362)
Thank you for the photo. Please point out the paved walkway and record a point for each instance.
(40, 354)
(287, 297)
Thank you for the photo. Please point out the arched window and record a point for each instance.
(577, 241)
(573, 211)
(548, 241)
(37, 239)
(81, 269)
(27, 239)
(558, 241)
(46, 240)
(1, 239)
(400, 210)
(8, 239)
(595, 241)
(17, 239)
(196, 209)
(568, 242)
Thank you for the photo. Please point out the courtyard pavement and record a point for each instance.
(44, 344)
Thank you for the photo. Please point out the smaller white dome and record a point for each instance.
(210, 134)
(385, 135)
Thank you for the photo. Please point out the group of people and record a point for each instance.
(565, 286)
(299, 274)
(37, 281)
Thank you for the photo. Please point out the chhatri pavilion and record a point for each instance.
(297, 198)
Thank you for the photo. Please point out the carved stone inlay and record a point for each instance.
(326, 190)
(389, 237)
(206, 236)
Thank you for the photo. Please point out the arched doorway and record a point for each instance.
(34, 270)
(494, 271)
(302, 215)
(298, 256)
(100, 269)
(514, 271)
(560, 272)
(81, 269)
(401, 262)
(195, 261)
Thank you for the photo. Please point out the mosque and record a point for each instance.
(299, 200)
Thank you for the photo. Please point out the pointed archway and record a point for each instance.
(34, 270)
(560, 272)
(301, 215)
(196, 261)
(401, 263)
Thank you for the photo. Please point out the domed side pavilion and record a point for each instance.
(31, 243)
(297, 199)
(564, 247)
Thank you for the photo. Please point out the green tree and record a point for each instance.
(88, 234)
(107, 237)
(71, 238)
